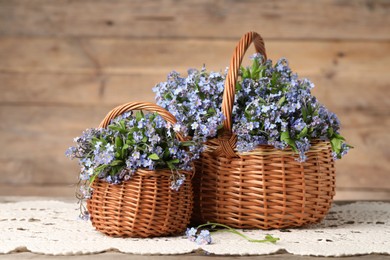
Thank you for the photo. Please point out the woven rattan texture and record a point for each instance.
(145, 205)
(265, 188)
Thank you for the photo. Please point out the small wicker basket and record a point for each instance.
(145, 205)
(266, 188)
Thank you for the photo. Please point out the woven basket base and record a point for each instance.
(268, 189)
(144, 206)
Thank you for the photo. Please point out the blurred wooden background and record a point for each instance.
(64, 64)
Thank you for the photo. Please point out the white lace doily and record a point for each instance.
(52, 227)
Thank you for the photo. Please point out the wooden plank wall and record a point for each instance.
(65, 63)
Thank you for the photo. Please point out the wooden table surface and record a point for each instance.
(118, 256)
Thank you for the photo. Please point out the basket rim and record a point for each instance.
(265, 149)
(144, 106)
(165, 172)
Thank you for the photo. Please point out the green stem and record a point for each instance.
(268, 238)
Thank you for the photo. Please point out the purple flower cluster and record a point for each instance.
(274, 107)
(194, 100)
(130, 142)
(201, 238)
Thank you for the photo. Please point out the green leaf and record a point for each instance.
(256, 74)
(274, 79)
(255, 65)
(92, 179)
(94, 140)
(139, 115)
(304, 113)
(339, 137)
(167, 96)
(122, 124)
(336, 144)
(140, 148)
(247, 114)
(170, 166)
(96, 172)
(187, 143)
(113, 171)
(154, 156)
(197, 87)
(211, 111)
(281, 100)
(118, 147)
(118, 142)
(100, 168)
(246, 74)
(115, 128)
(117, 162)
(285, 137)
(255, 70)
(302, 133)
(262, 100)
(144, 139)
(166, 153)
(330, 131)
(238, 87)
(174, 161)
(309, 109)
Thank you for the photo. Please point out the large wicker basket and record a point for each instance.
(266, 188)
(145, 205)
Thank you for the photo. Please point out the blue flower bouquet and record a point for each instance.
(136, 172)
(267, 159)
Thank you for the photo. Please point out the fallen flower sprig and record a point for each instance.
(203, 237)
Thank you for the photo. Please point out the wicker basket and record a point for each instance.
(266, 188)
(143, 206)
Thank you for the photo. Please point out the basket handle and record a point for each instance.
(146, 106)
(232, 76)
